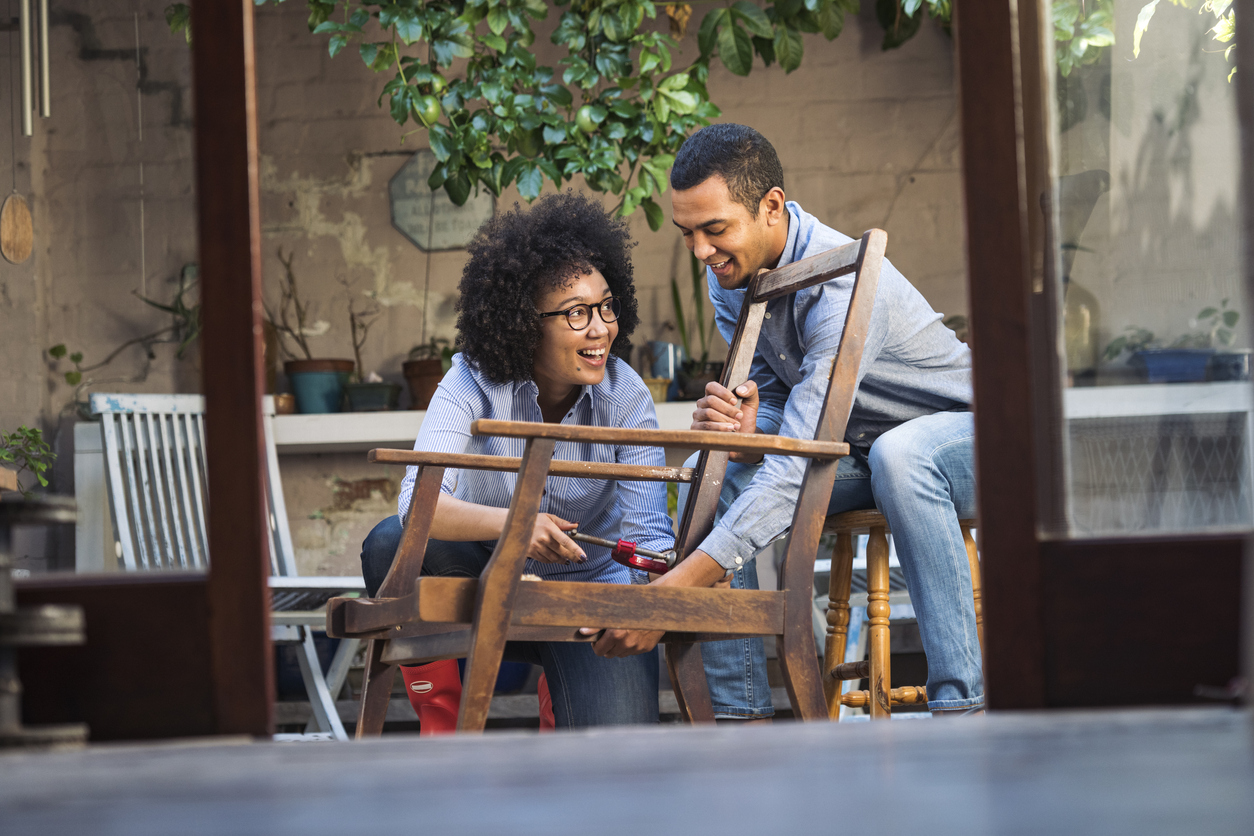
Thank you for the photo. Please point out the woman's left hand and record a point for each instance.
(618, 643)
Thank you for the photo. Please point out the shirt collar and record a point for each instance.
(794, 234)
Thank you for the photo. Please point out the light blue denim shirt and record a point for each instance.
(912, 365)
(634, 511)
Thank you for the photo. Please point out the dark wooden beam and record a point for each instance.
(224, 87)
(999, 279)
(1245, 113)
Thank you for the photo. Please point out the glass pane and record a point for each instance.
(1154, 335)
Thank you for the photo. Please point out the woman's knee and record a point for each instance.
(378, 550)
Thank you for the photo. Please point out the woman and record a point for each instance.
(546, 309)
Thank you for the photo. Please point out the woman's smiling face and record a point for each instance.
(567, 358)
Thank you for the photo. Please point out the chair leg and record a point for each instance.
(320, 698)
(376, 692)
(878, 612)
(692, 689)
(973, 561)
(837, 620)
(337, 674)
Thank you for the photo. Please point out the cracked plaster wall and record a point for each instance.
(867, 138)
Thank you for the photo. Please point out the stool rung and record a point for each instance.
(851, 670)
(909, 695)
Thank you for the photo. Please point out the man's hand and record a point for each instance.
(698, 569)
(549, 543)
(722, 410)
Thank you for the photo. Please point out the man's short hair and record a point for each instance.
(744, 158)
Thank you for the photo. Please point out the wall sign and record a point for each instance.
(428, 218)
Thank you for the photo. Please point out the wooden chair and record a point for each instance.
(419, 619)
(881, 696)
(154, 448)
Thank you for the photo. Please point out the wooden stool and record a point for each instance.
(876, 670)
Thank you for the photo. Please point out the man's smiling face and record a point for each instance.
(725, 236)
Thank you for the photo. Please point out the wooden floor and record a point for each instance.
(1179, 772)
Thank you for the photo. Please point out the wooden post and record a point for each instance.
(230, 267)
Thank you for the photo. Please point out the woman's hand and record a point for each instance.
(549, 543)
(722, 410)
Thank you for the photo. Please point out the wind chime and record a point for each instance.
(16, 232)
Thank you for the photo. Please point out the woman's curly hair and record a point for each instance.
(518, 255)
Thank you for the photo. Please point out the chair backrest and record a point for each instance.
(154, 448)
(863, 258)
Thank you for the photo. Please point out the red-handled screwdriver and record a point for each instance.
(628, 554)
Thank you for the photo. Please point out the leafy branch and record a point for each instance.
(26, 448)
(291, 318)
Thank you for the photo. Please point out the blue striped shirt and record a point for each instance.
(633, 511)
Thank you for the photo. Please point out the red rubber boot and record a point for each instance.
(435, 692)
(547, 723)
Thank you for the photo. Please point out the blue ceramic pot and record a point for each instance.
(372, 397)
(1173, 365)
(318, 384)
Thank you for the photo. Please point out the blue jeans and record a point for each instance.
(587, 690)
(921, 476)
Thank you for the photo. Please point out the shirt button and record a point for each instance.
(739, 561)
(768, 314)
(783, 356)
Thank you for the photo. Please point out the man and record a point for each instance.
(910, 431)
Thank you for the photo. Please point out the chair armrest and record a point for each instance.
(578, 470)
(684, 439)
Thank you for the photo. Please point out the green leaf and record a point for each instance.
(755, 19)
(898, 28)
(359, 18)
(530, 181)
(408, 28)
(73, 378)
(498, 19)
(1230, 318)
(831, 20)
(495, 42)
(178, 17)
(369, 52)
(76, 357)
(735, 49)
(706, 37)
(57, 351)
(458, 188)
(680, 101)
(653, 213)
(1205, 313)
(338, 42)
(788, 48)
(678, 81)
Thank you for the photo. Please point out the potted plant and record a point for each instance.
(425, 367)
(1189, 357)
(317, 383)
(696, 370)
(27, 449)
(366, 393)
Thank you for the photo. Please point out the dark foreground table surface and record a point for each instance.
(1186, 771)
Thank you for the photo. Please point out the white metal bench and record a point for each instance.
(154, 450)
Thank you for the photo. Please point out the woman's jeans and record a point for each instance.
(587, 690)
(921, 476)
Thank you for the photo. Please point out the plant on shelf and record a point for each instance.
(366, 393)
(696, 369)
(424, 369)
(1184, 359)
(184, 330)
(317, 383)
(26, 448)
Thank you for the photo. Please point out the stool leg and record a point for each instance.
(973, 561)
(878, 611)
(376, 692)
(837, 620)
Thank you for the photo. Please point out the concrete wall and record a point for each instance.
(867, 138)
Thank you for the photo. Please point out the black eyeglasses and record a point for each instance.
(579, 317)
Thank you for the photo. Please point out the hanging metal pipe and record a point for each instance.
(45, 88)
(28, 103)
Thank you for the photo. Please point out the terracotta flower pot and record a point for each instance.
(423, 377)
